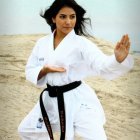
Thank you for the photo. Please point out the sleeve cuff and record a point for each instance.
(127, 63)
(32, 75)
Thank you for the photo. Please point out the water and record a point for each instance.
(110, 19)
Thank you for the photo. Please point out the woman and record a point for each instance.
(62, 60)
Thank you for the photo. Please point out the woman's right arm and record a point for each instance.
(35, 72)
(33, 67)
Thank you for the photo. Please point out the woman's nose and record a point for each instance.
(68, 21)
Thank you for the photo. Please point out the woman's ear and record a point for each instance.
(53, 19)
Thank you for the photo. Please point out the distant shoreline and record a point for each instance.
(136, 52)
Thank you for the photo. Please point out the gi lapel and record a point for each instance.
(64, 45)
(59, 55)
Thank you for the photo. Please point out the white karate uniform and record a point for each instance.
(81, 58)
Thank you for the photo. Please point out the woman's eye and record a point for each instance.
(62, 17)
(72, 17)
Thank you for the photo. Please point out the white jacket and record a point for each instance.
(81, 58)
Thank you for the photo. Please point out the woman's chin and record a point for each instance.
(67, 30)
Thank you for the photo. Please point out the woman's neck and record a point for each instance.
(58, 37)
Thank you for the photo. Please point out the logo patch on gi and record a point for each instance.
(41, 59)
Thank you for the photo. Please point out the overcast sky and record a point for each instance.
(110, 18)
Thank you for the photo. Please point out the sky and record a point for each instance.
(110, 18)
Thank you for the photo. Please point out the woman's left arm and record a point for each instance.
(109, 67)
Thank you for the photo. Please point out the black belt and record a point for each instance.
(57, 91)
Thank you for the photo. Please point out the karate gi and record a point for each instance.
(81, 58)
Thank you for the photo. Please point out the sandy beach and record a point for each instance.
(120, 98)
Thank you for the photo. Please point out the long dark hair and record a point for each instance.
(52, 11)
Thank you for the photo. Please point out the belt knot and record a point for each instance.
(53, 90)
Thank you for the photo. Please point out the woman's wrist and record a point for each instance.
(44, 70)
(42, 73)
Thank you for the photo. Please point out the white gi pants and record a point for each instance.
(86, 125)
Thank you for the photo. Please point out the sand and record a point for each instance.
(120, 98)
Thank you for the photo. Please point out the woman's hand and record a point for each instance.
(50, 69)
(53, 69)
(122, 49)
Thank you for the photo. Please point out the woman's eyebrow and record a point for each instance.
(66, 14)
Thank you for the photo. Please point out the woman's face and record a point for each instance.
(65, 20)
